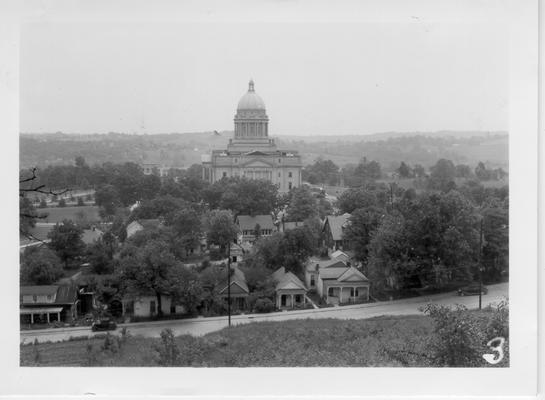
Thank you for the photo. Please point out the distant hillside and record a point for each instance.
(182, 150)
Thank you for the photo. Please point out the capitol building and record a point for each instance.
(251, 153)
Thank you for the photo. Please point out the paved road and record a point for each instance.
(201, 326)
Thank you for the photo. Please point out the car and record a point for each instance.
(472, 289)
(104, 324)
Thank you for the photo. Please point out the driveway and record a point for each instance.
(201, 326)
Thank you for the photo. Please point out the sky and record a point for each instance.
(316, 78)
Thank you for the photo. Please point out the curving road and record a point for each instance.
(201, 326)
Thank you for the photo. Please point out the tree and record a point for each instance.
(482, 173)
(496, 235)
(80, 162)
(40, 266)
(62, 203)
(220, 228)
(362, 224)
(151, 268)
(463, 171)
(27, 215)
(442, 175)
(101, 254)
(419, 171)
(322, 171)
(302, 204)
(404, 170)
(368, 171)
(355, 198)
(107, 198)
(295, 247)
(66, 241)
(187, 227)
(248, 196)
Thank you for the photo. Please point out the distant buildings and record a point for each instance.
(251, 153)
(247, 225)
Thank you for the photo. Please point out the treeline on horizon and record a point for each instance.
(183, 150)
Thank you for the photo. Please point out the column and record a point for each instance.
(59, 316)
(47, 317)
(292, 303)
(341, 295)
(31, 318)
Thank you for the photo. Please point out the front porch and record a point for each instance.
(290, 299)
(347, 294)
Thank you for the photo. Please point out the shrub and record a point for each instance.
(168, 353)
(458, 340)
(499, 322)
(264, 305)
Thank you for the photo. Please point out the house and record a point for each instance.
(290, 291)
(341, 283)
(154, 168)
(141, 224)
(247, 225)
(239, 251)
(314, 266)
(239, 289)
(146, 305)
(48, 303)
(333, 232)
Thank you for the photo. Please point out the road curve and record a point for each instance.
(201, 326)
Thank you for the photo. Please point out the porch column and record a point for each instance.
(304, 301)
(292, 303)
(47, 317)
(31, 318)
(59, 316)
(341, 295)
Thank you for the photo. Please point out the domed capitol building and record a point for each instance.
(251, 153)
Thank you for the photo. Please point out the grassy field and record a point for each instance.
(58, 214)
(377, 342)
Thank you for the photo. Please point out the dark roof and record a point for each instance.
(38, 290)
(66, 294)
(237, 278)
(336, 224)
(247, 222)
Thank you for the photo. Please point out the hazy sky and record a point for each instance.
(315, 78)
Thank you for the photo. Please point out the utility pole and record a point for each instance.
(481, 265)
(229, 282)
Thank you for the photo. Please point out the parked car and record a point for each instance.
(104, 324)
(472, 289)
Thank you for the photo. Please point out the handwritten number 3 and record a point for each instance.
(493, 358)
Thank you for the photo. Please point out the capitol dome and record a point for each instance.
(251, 101)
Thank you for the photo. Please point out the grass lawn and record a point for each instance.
(58, 214)
(296, 343)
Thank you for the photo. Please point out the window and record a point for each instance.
(236, 160)
(152, 307)
(279, 174)
(225, 174)
(289, 174)
(289, 185)
(279, 160)
(34, 298)
(312, 280)
(49, 297)
(330, 291)
(351, 292)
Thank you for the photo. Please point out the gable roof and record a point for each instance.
(336, 224)
(248, 222)
(352, 275)
(340, 255)
(237, 278)
(287, 280)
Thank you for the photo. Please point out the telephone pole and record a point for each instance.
(229, 282)
(481, 265)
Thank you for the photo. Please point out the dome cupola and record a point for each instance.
(251, 100)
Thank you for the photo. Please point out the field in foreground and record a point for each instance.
(379, 342)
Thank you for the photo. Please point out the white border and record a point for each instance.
(518, 380)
